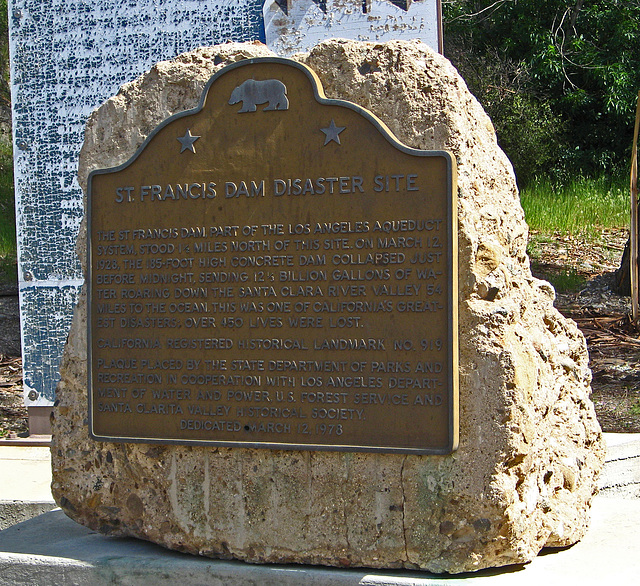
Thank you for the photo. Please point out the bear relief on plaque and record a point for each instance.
(290, 283)
(255, 92)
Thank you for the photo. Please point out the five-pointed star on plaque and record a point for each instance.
(187, 141)
(332, 132)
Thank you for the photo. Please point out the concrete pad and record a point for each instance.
(25, 483)
(13, 512)
(26, 473)
(620, 477)
(51, 549)
(622, 445)
(30, 440)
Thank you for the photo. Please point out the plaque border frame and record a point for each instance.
(452, 297)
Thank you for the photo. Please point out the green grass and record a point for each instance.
(584, 207)
(7, 214)
(567, 280)
(578, 212)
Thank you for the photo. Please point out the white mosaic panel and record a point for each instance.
(67, 57)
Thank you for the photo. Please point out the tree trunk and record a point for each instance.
(622, 277)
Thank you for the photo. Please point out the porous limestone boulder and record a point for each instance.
(530, 445)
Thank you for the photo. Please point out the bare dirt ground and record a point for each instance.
(603, 317)
(583, 272)
(13, 414)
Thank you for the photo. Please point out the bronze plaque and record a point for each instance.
(274, 269)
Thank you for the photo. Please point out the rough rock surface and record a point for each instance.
(530, 446)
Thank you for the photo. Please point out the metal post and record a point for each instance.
(633, 264)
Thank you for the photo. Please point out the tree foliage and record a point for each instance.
(570, 67)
